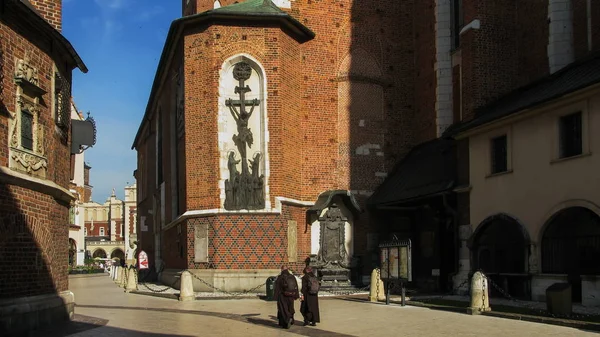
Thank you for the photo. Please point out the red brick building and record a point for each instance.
(344, 91)
(36, 62)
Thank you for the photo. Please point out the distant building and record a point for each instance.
(109, 228)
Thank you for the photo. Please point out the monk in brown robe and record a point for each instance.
(309, 307)
(286, 292)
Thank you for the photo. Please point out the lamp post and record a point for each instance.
(395, 259)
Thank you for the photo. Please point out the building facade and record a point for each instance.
(109, 228)
(36, 138)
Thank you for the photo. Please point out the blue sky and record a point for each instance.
(120, 41)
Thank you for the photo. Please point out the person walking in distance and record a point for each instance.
(309, 307)
(286, 292)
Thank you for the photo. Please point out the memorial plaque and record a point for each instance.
(201, 243)
(292, 241)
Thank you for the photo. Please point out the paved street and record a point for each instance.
(103, 309)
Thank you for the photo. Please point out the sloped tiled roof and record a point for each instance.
(574, 77)
(428, 169)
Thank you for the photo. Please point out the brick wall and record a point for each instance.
(31, 261)
(51, 11)
(34, 262)
(97, 226)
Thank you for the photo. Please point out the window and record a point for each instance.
(499, 147)
(62, 107)
(101, 231)
(26, 130)
(571, 138)
(457, 22)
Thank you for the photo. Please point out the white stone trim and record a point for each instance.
(40, 185)
(443, 66)
(475, 24)
(197, 213)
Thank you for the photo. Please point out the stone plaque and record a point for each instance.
(292, 241)
(201, 243)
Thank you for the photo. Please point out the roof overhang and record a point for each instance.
(325, 199)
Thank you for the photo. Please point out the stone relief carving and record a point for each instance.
(533, 262)
(28, 161)
(26, 72)
(245, 189)
(332, 252)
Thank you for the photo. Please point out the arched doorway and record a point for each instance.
(99, 253)
(571, 245)
(118, 254)
(500, 248)
(72, 252)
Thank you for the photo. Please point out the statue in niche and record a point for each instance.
(245, 189)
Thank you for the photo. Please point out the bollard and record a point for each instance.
(112, 272)
(118, 275)
(377, 291)
(480, 297)
(186, 287)
(124, 275)
(131, 280)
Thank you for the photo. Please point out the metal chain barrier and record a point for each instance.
(242, 293)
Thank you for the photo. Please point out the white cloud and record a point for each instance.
(110, 4)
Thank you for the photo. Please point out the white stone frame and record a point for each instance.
(33, 162)
(224, 137)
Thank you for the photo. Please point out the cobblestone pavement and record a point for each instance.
(103, 309)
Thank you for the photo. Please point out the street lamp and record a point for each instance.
(395, 259)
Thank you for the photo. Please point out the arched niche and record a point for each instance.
(243, 135)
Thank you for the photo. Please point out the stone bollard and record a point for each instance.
(480, 297)
(112, 271)
(377, 291)
(131, 280)
(186, 287)
(123, 282)
(118, 274)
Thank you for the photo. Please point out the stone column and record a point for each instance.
(460, 280)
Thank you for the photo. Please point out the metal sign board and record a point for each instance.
(143, 260)
(396, 260)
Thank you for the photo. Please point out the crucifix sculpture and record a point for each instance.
(243, 190)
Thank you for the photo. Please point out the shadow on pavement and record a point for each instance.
(245, 318)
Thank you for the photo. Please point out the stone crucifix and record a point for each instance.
(243, 190)
(242, 72)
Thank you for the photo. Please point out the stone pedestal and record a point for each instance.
(186, 292)
(480, 297)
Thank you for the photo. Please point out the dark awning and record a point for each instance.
(428, 169)
(326, 198)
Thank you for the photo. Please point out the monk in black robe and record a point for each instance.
(309, 307)
(285, 298)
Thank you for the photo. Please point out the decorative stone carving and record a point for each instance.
(292, 241)
(28, 161)
(26, 72)
(464, 232)
(245, 189)
(533, 261)
(201, 243)
(332, 252)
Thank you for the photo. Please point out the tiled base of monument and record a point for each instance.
(23, 314)
(215, 280)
